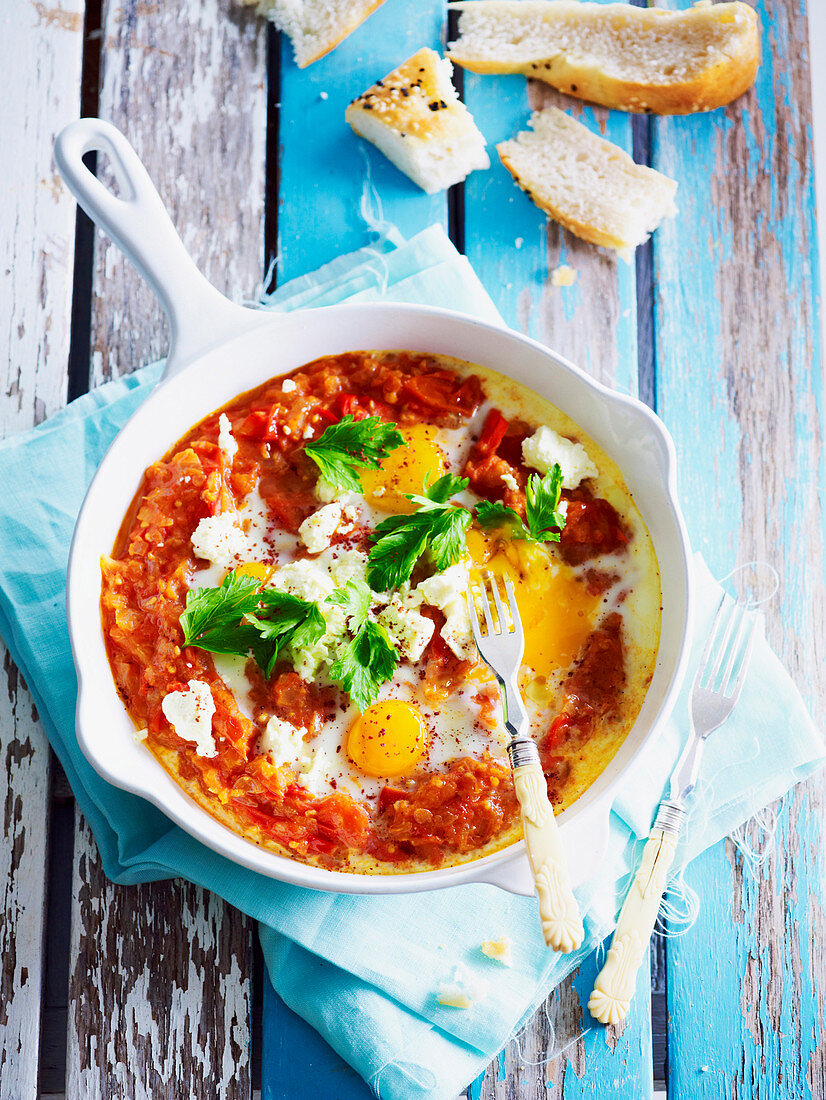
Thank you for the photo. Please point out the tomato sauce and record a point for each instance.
(426, 817)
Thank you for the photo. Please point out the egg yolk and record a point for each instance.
(256, 569)
(556, 609)
(388, 739)
(404, 470)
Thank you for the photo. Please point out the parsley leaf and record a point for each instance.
(355, 599)
(364, 664)
(291, 622)
(344, 447)
(493, 513)
(399, 541)
(238, 618)
(542, 509)
(212, 615)
(543, 505)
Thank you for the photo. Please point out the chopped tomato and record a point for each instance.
(493, 433)
(443, 391)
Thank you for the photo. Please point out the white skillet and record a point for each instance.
(218, 350)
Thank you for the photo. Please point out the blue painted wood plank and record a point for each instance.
(297, 1063)
(740, 384)
(331, 186)
(515, 249)
(324, 167)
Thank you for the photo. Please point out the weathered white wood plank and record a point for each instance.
(159, 1001)
(741, 385)
(40, 58)
(161, 975)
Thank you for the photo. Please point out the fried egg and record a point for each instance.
(557, 611)
(405, 470)
(389, 739)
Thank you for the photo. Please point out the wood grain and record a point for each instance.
(160, 989)
(160, 986)
(745, 402)
(40, 57)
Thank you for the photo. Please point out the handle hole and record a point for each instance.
(112, 174)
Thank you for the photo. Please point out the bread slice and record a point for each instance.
(586, 183)
(417, 120)
(628, 58)
(315, 26)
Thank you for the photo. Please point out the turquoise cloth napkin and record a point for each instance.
(364, 971)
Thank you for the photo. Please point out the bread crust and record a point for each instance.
(720, 83)
(265, 8)
(347, 29)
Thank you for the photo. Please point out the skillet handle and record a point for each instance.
(136, 220)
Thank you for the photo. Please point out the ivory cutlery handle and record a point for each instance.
(616, 982)
(558, 909)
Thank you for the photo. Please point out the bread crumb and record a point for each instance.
(323, 95)
(140, 736)
(499, 950)
(564, 275)
(518, 242)
(464, 991)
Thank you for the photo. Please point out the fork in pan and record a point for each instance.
(501, 644)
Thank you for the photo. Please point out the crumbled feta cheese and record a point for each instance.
(308, 434)
(305, 578)
(283, 741)
(326, 492)
(464, 991)
(226, 440)
(409, 631)
(446, 591)
(349, 519)
(348, 565)
(288, 385)
(220, 540)
(140, 736)
(190, 715)
(499, 950)
(317, 530)
(545, 447)
(510, 482)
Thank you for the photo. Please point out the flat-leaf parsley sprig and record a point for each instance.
(369, 658)
(239, 618)
(351, 444)
(438, 526)
(542, 509)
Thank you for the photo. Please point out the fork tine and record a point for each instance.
(475, 626)
(504, 625)
(483, 593)
(727, 649)
(746, 646)
(737, 635)
(721, 636)
(516, 618)
(712, 634)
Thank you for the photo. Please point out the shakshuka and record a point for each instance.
(286, 618)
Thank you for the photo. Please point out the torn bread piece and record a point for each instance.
(587, 184)
(315, 26)
(415, 117)
(625, 57)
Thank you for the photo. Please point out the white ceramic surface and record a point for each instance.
(219, 350)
